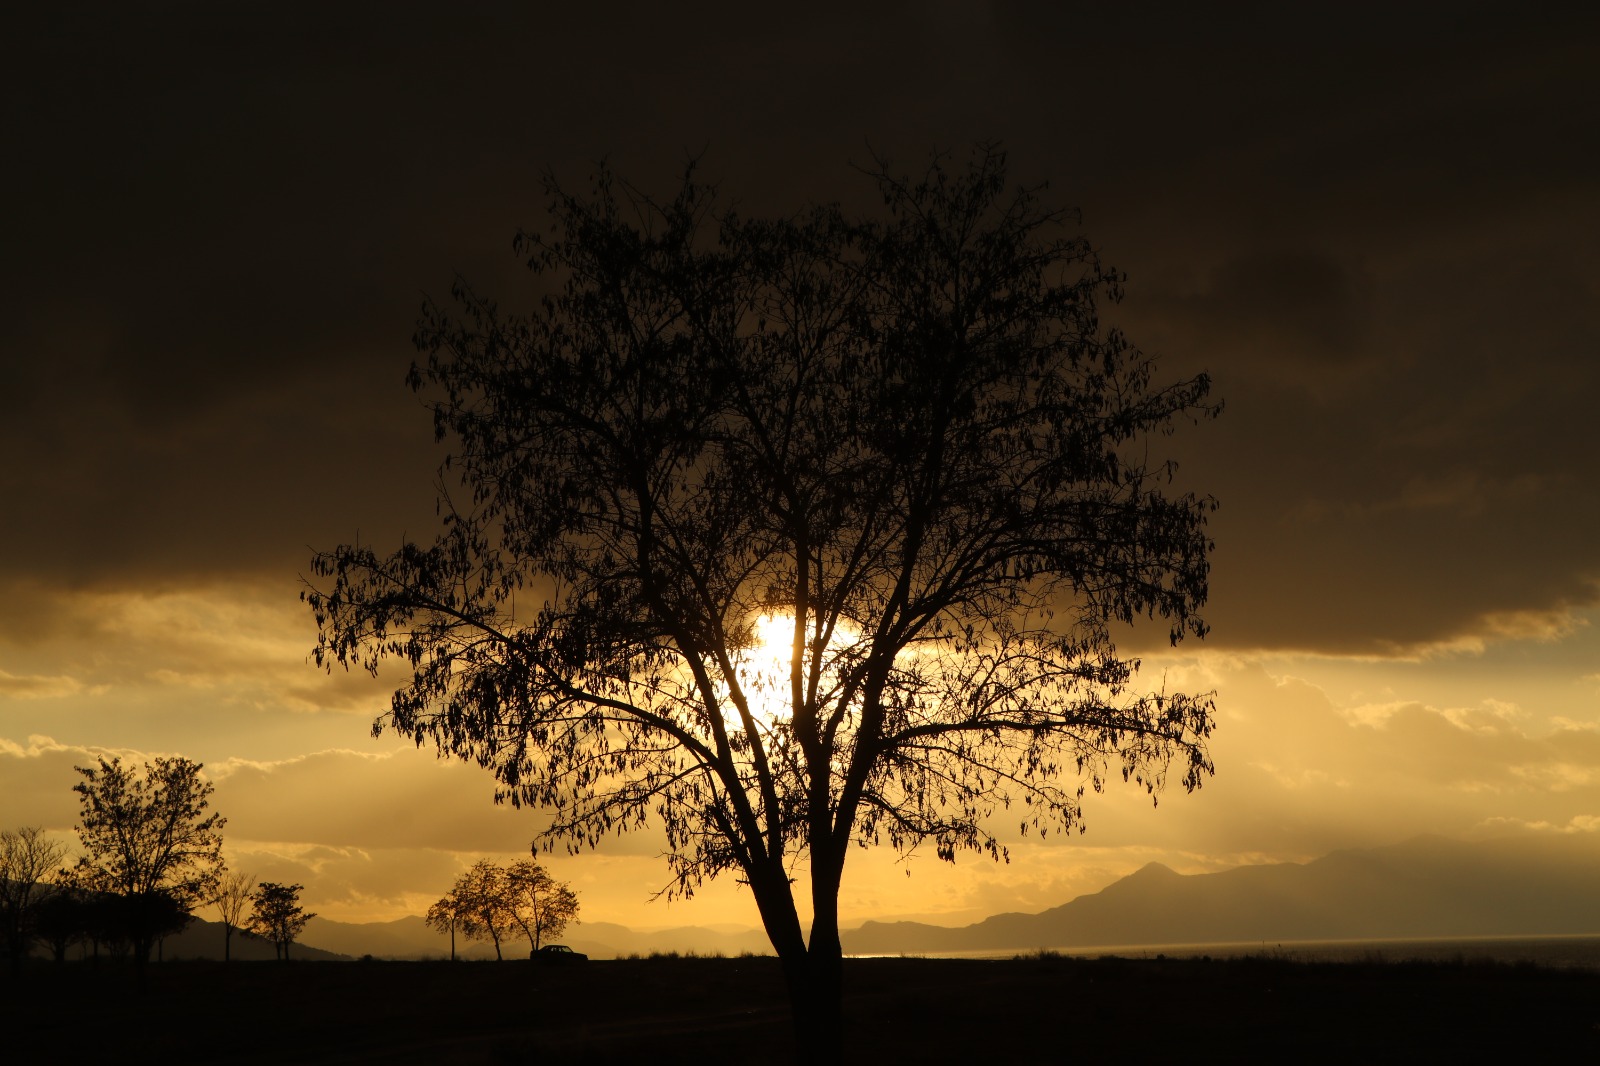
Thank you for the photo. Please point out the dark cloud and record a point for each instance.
(1370, 224)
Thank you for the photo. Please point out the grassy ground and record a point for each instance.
(734, 1011)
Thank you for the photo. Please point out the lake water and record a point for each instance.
(1564, 952)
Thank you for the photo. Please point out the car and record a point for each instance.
(557, 953)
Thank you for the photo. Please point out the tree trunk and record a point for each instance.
(823, 1042)
(812, 974)
(815, 995)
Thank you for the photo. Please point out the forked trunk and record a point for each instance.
(816, 988)
(813, 973)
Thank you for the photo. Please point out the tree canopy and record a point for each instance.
(542, 906)
(483, 898)
(149, 841)
(904, 439)
(449, 914)
(276, 915)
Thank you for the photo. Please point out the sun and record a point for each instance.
(762, 668)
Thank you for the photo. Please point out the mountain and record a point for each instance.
(404, 938)
(201, 939)
(1427, 887)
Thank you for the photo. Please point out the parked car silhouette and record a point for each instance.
(557, 953)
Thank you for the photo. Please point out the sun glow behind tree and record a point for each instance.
(912, 432)
(763, 667)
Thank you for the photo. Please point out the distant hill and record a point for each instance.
(620, 940)
(1427, 887)
(202, 939)
(404, 938)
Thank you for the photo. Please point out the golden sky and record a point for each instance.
(1376, 234)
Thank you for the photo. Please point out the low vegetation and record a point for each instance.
(1032, 1008)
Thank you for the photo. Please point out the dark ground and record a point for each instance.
(734, 1011)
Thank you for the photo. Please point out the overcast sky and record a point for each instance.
(1375, 228)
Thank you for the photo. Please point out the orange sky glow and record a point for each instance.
(1381, 248)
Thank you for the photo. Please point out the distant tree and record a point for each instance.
(148, 835)
(906, 438)
(488, 901)
(128, 918)
(89, 888)
(234, 893)
(449, 915)
(488, 906)
(541, 905)
(63, 916)
(278, 916)
(27, 859)
(78, 908)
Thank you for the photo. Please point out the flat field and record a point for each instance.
(713, 1010)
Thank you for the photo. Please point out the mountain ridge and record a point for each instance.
(1424, 887)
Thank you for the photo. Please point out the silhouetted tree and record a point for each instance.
(89, 887)
(448, 915)
(148, 836)
(277, 916)
(63, 916)
(541, 905)
(488, 906)
(908, 437)
(234, 893)
(27, 858)
(488, 901)
(141, 917)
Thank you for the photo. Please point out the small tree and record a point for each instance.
(147, 835)
(278, 916)
(127, 919)
(234, 893)
(64, 915)
(542, 906)
(92, 901)
(27, 858)
(488, 908)
(448, 915)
